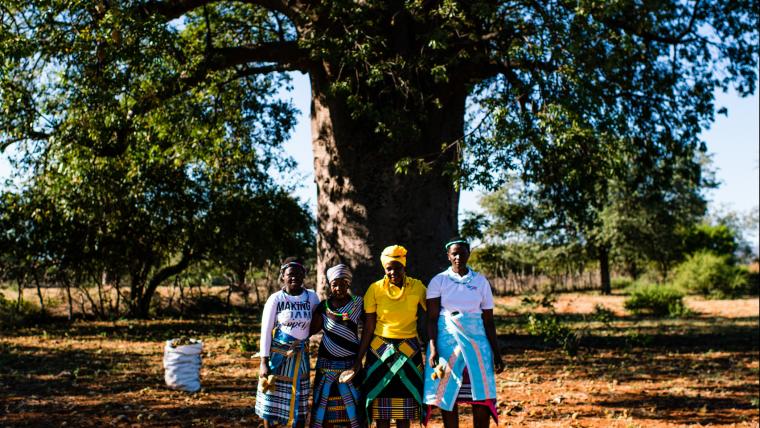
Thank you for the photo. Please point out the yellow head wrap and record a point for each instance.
(394, 253)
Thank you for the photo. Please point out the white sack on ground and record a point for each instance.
(182, 365)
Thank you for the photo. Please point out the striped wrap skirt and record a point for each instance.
(286, 402)
(393, 379)
(335, 402)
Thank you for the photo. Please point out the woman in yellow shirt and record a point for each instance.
(393, 377)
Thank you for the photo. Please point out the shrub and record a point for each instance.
(602, 314)
(654, 299)
(553, 331)
(11, 315)
(248, 344)
(621, 283)
(711, 275)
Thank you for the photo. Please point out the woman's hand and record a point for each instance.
(264, 367)
(357, 366)
(433, 357)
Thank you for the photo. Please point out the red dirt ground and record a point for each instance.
(629, 372)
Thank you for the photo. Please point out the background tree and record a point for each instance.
(390, 82)
(255, 229)
(179, 193)
(580, 189)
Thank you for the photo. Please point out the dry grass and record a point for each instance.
(701, 370)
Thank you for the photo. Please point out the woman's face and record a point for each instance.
(339, 288)
(293, 277)
(458, 256)
(395, 272)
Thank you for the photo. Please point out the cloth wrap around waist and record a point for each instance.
(287, 402)
(394, 359)
(325, 383)
(461, 343)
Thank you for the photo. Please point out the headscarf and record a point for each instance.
(338, 271)
(394, 253)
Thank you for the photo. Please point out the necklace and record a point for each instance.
(342, 315)
(387, 286)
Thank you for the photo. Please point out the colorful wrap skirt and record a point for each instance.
(335, 402)
(393, 381)
(467, 359)
(287, 401)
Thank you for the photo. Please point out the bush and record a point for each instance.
(248, 344)
(553, 331)
(651, 299)
(711, 275)
(11, 315)
(602, 314)
(621, 283)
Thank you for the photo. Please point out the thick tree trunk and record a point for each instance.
(364, 206)
(604, 270)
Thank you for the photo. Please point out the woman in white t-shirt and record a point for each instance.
(283, 393)
(463, 355)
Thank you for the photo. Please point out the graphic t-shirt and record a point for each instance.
(468, 293)
(289, 314)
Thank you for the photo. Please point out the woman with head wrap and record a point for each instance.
(393, 371)
(283, 393)
(336, 398)
(463, 355)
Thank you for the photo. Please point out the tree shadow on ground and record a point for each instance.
(679, 408)
(145, 330)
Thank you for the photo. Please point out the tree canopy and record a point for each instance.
(390, 84)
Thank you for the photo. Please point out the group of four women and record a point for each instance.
(394, 382)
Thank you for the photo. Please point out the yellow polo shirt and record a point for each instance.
(396, 318)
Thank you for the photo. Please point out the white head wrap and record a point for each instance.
(338, 271)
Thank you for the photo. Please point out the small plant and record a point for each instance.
(659, 300)
(602, 314)
(543, 300)
(553, 331)
(247, 344)
(635, 339)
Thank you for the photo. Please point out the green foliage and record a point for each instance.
(553, 331)
(13, 315)
(248, 343)
(596, 107)
(712, 275)
(602, 314)
(528, 258)
(718, 239)
(135, 171)
(655, 299)
(621, 283)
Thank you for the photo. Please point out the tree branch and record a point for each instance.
(507, 68)
(287, 56)
(172, 9)
(626, 24)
